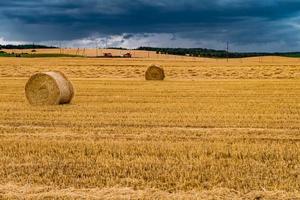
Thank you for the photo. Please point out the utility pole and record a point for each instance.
(60, 47)
(148, 50)
(96, 48)
(227, 50)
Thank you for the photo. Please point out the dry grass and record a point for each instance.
(10, 191)
(175, 69)
(125, 138)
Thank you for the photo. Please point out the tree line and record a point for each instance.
(26, 46)
(211, 53)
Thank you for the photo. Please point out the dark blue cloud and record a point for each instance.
(243, 22)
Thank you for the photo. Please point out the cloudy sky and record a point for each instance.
(248, 25)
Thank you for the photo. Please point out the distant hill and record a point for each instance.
(26, 46)
(211, 53)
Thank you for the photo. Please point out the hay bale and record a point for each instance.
(155, 72)
(49, 88)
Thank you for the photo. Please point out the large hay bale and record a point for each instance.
(49, 88)
(155, 72)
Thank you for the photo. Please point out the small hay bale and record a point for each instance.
(155, 72)
(49, 88)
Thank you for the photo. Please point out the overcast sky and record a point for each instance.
(249, 25)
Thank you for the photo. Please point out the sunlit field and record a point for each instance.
(214, 129)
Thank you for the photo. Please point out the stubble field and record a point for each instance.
(212, 130)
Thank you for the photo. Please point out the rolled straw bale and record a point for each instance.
(155, 72)
(49, 88)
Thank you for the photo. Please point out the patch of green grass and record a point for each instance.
(36, 55)
(294, 55)
(4, 54)
(43, 55)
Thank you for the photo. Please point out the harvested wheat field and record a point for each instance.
(211, 130)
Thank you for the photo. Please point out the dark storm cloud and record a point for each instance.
(244, 22)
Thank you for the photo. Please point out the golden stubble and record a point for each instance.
(185, 136)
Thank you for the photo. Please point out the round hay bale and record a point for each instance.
(49, 88)
(155, 72)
